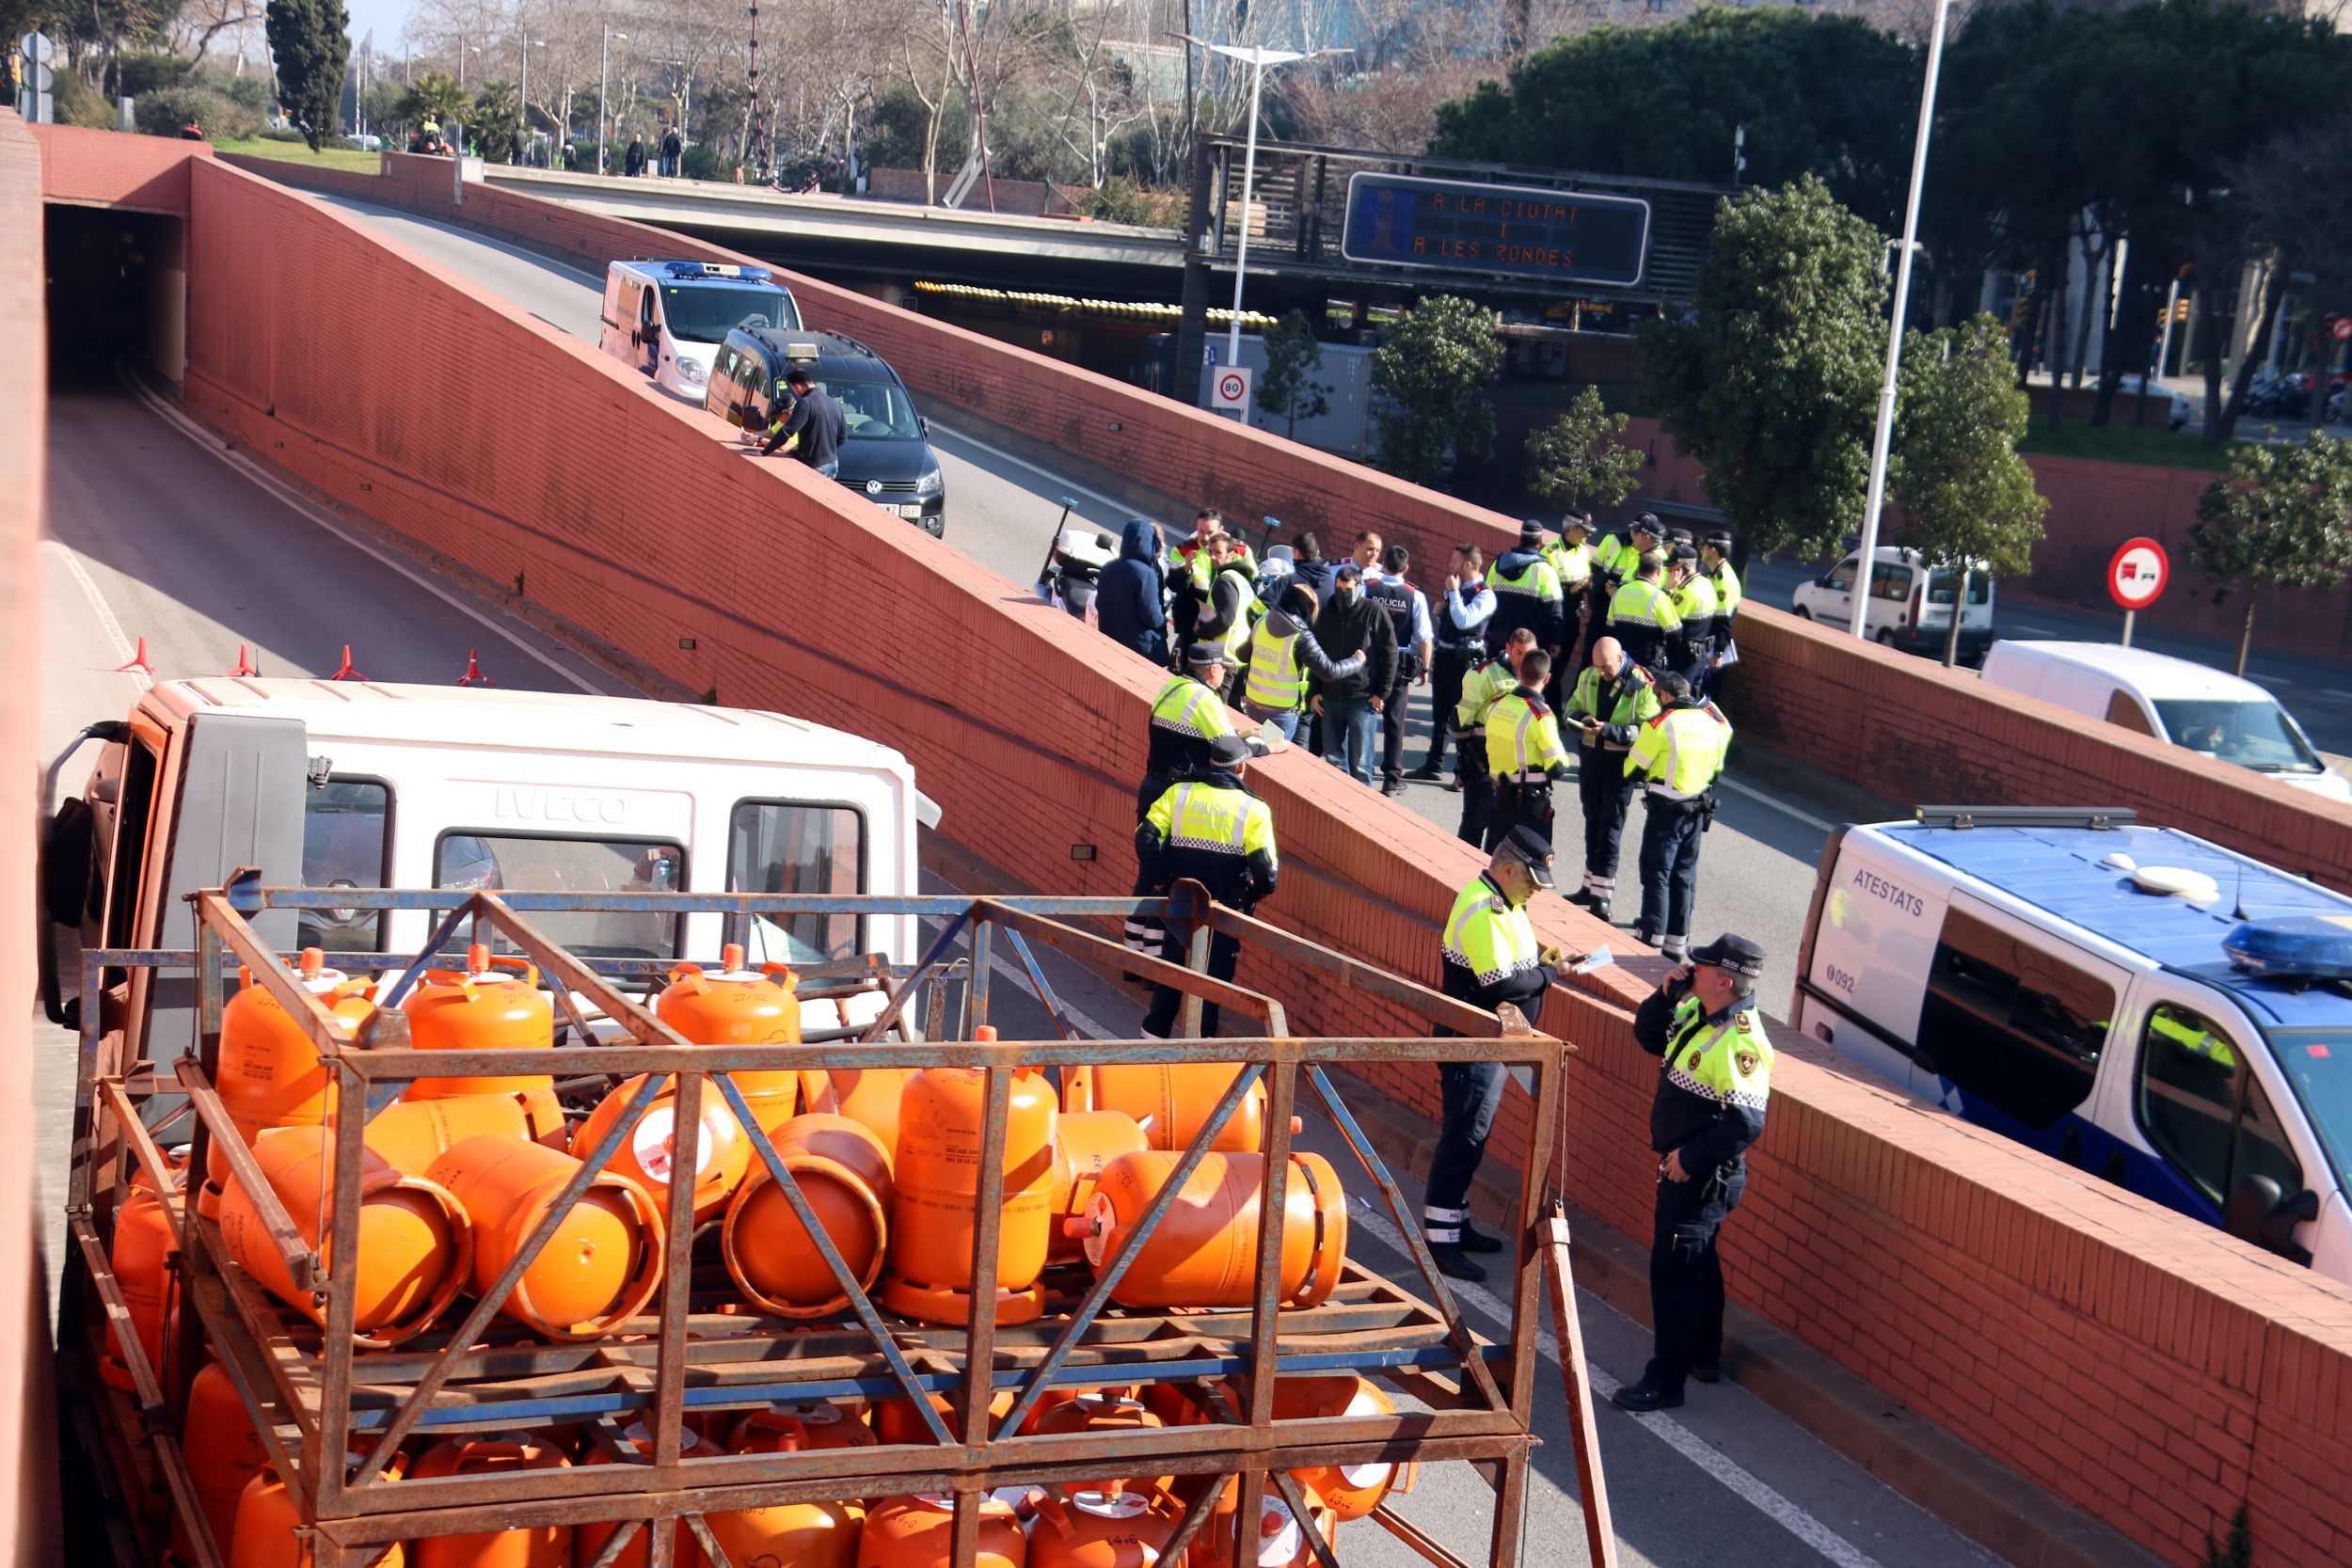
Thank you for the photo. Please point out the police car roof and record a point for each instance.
(2057, 869)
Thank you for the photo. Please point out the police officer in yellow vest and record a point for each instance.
(1715, 561)
(1714, 1080)
(1612, 698)
(1525, 753)
(1489, 957)
(1571, 559)
(1527, 593)
(1694, 606)
(1231, 611)
(1188, 715)
(1642, 615)
(1677, 757)
(1212, 830)
(1482, 687)
(1615, 557)
(1282, 650)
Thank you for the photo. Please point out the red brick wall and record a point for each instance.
(2153, 1374)
(103, 169)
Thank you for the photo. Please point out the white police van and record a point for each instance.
(668, 318)
(2153, 1010)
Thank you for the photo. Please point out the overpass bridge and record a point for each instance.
(2148, 1373)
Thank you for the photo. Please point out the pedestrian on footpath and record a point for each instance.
(1283, 653)
(1524, 750)
(1129, 595)
(1676, 756)
(1612, 698)
(1459, 643)
(1527, 593)
(1487, 957)
(1212, 830)
(634, 163)
(1714, 1085)
(673, 150)
(1485, 684)
(1407, 609)
(1642, 615)
(1350, 706)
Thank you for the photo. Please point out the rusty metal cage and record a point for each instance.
(332, 1414)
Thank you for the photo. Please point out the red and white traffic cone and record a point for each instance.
(473, 675)
(245, 664)
(346, 672)
(138, 662)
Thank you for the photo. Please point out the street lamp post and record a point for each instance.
(604, 71)
(1884, 435)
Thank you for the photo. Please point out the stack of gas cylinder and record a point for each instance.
(460, 1171)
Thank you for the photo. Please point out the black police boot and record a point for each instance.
(1582, 898)
(1643, 1397)
(1423, 774)
(1475, 1240)
(1453, 1263)
(1708, 1372)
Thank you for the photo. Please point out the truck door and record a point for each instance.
(649, 328)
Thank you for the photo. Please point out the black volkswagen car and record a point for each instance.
(886, 453)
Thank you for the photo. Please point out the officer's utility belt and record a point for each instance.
(1460, 650)
(1527, 780)
(1663, 798)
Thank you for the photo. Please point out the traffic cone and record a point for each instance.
(346, 672)
(245, 665)
(138, 662)
(473, 675)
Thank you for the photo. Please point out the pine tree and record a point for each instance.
(308, 41)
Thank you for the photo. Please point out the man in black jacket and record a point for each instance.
(1350, 707)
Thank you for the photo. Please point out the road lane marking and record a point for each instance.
(101, 609)
(1779, 805)
(296, 502)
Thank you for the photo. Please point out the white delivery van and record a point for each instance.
(2155, 1011)
(2178, 700)
(1911, 607)
(668, 318)
(327, 783)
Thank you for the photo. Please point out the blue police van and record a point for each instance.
(2154, 1009)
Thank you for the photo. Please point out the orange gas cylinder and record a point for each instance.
(687, 1553)
(870, 1095)
(1282, 1537)
(796, 1427)
(1092, 1529)
(412, 1134)
(493, 1004)
(917, 1531)
(1084, 1143)
(735, 1006)
(845, 1176)
(817, 1535)
(503, 1453)
(899, 1421)
(222, 1452)
(1100, 1412)
(1172, 1101)
(415, 1242)
(1204, 1252)
(937, 1175)
(1351, 1490)
(270, 1074)
(141, 1258)
(647, 1154)
(264, 1536)
(600, 1268)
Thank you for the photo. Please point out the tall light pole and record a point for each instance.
(1885, 435)
(1256, 60)
(604, 71)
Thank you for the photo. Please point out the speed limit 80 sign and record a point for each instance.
(1229, 386)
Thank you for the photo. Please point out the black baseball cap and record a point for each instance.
(1734, 953)
(1527, 846)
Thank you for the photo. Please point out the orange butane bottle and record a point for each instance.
(844, 1173)
(1204, 1252)
(604, 1261)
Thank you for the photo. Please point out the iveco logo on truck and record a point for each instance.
(516, 803)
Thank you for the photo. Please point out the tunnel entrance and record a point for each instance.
(118, 289)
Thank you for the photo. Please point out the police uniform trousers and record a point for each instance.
(1398, 705)
(1669, 866)
(1145, 933)
(1520, 804)
(1595, 620)
(1447, 666)
(1469, 1095)
(1478, 789)
(1166, 1001)
(1686, 1277)
(1605, 793)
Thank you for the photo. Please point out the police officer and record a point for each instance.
(1524, 752)
(1715, 561)
(1489, 957)
(1527, 593)
(1407, 609)
(1232, 609)
(1714, 1080)
(1642, 615)
(1694, 606)
(1212, 830)
(1614, 558)
(1187, 718)
(1571, 559)
(1677, 757)
(1612, 698)
(1459, 643)
(1282, 649)
(1482, 687)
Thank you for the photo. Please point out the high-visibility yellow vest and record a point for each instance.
(1572, 564)
(1644, 604)
(1728, 1062)
(1489, 936)
(1727, 583)
(1522, 738)
(1679, 753)
(1276, 682)
(1219, 821)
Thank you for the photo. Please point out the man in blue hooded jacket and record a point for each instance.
(1130, 604)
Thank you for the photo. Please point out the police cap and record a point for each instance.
(1683, 552)
(1527, 846)
(1719, 540)
(1531, 535)
(1576, 520)
(1646, 522)
(1202, 655)
(1228, 751)
(1736, 954)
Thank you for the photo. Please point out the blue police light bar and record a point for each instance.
(717, 269)
(2301, 947)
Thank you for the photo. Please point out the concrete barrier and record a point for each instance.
(2151, 1373)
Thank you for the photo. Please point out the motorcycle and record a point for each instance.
(1073, 564)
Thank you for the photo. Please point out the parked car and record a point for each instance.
(1911, 609)
(2176, 700)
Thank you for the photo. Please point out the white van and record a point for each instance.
(2153, 1010)
(668, 318)
(2178, 700)
(1911, 607)
(327, 783)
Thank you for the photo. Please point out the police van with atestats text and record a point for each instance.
(2157, 1011)
(668, 318)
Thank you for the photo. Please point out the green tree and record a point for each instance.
(1968, 498)
(308, 41)
(1577, 458)
(2281, 517)
(1770, 381)
(496, 116)
(436, 96)
(1289, 389)
(1431, 372)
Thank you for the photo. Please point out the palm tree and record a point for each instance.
(435, 96)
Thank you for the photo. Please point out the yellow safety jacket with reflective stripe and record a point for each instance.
(1523, 738)
(1615, 557)
(1644, 604)
(1196, 568)
(1218, 820)
(2198, 1043)
(1728, 1061)
(1572, 564)
(1276, 681)
(1535, 580)
(1695, 599)
(1191, 709)
(1727, 583)
(1481, 687)
(1680, 752)
(1490, 937)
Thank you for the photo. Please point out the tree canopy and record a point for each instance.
(308, 41)
(1432, 372)
(2281, 517)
